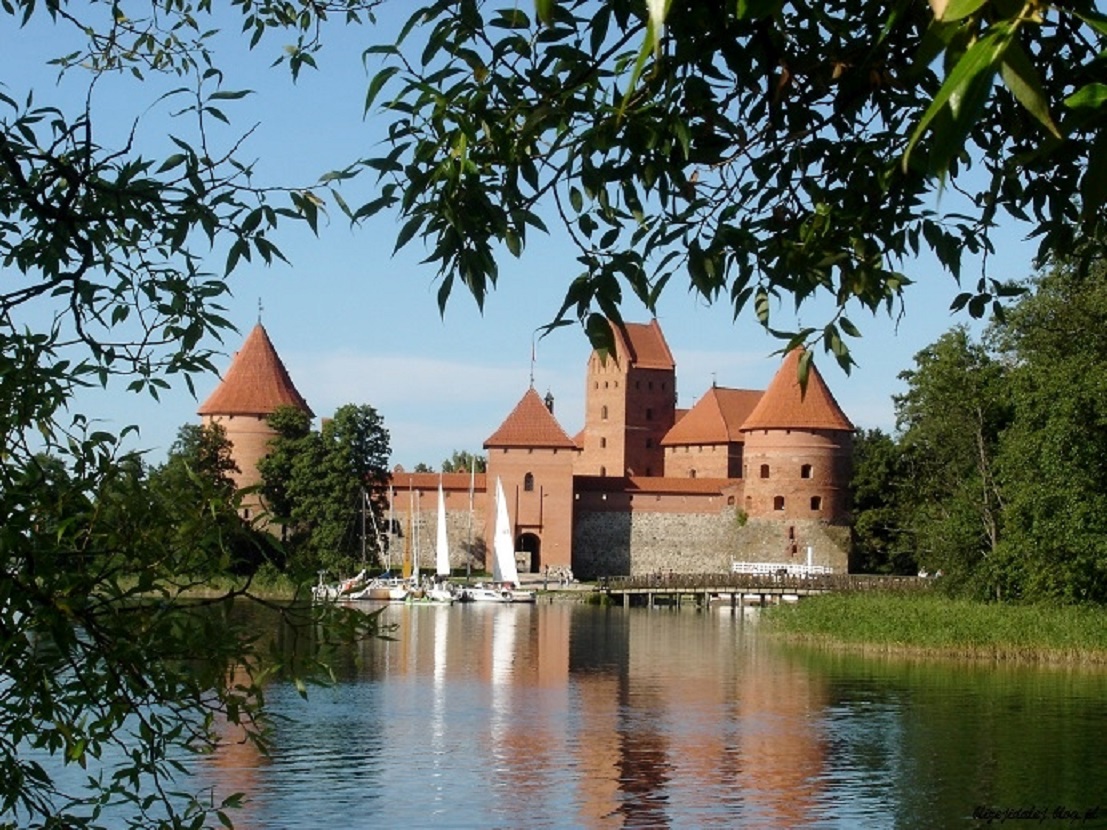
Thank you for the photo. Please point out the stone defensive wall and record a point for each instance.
(414, 516)
(639, 526)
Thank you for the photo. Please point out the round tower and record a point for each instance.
(798, 451)
(256, 383)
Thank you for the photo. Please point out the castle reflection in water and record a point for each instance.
(555, 715)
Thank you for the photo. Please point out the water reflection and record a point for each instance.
(575, 716)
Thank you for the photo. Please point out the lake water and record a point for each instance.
(565, 715)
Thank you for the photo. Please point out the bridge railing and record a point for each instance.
(742, 582)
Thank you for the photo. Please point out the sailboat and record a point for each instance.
(505, 574)
(440, 591)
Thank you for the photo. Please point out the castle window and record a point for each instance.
(246, 513)
(649, 471)
(649, 443)
(603, 471)
(764, 470)
(603, 443)
(692, 473)
(605, 384)
(778, 502)
(528, 482)
(816, 502)
(595, 384)
(603, 413)
(730, 501)
(805, 471)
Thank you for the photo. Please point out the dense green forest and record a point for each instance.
(997, 473)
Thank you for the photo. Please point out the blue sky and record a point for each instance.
(355, 324)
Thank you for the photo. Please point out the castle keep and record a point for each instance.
(644, 487)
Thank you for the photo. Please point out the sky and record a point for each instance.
(356, 323)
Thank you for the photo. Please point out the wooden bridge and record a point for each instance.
(736, 589)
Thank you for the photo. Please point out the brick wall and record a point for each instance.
(608, 543)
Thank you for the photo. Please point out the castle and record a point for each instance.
(644, 487)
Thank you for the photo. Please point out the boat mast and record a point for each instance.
(469, 541)
(391, 530)
(364, 499)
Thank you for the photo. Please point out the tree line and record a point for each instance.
(324, 492)
(996, 476)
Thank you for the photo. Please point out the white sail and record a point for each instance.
(442, 551)
(503, 543)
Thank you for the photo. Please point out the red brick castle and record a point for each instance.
(644, 487)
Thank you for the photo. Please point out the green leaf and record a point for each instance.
(1020, 76)
(545, 10)
(956, 9)
(761, 306)
(228, 95)
(375, 86)
(757, 9)
(1090, 96)
(963, 95)
(1093, 185)
(849, 328)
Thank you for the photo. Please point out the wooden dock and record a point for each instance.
(673, 590)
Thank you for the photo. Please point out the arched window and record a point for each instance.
(778, 502)
(805, 471)
(816, 502)
(764, 470)
(528, 482)
(692, 473)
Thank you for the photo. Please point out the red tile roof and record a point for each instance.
(530, 424)
(716, 418)
(256, 382)
(645, 345)
(402, 481)
(653, 485)
(785, 406)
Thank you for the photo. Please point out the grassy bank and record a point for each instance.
(928, 624)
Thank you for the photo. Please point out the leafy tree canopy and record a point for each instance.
(315, 484)
(106, 243)
(755, 150)
(462, 461)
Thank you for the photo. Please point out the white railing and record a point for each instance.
(779, 569)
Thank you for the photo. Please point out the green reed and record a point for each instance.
(931, 623)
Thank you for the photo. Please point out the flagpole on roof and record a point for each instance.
(533, 351)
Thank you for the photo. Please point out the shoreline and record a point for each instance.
(940, 628)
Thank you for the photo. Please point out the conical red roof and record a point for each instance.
(716, 418)
(530, 424)
(256, 382)
(785, 406)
